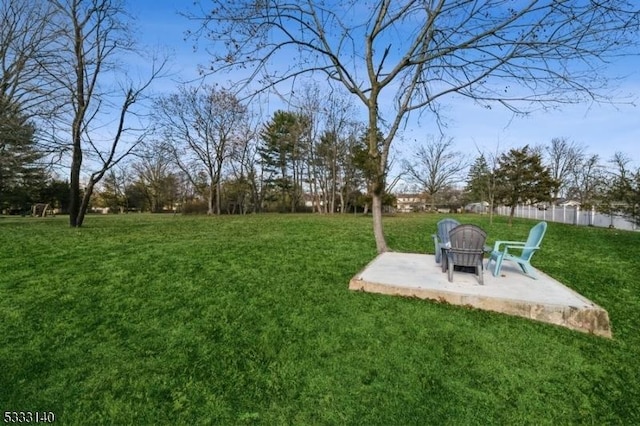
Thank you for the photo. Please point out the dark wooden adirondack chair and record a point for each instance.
(466, 250)
(441, 239)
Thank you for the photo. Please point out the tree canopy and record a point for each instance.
(22, 174)
(399, 57)
(522, 178)
(282, 151)
(478, 180)
(437, 166)
(63, 71)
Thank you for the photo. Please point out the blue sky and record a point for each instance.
(602, 129)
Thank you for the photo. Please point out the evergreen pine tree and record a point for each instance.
(22, 177)
(522, 178)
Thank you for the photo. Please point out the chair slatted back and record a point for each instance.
(444, 228)
(535, 238)
(467, 245)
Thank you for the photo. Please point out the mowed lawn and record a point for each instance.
(141, 319)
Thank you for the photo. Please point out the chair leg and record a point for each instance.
(438, 250)
(528, 270)
(450, 271)
(495, 261)
(480, 271)
(498, 267)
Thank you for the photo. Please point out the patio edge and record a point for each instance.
(592, 320)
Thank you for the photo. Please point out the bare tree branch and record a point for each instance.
(93, 36)
(540, 53)
(437, 166)
(199, 126)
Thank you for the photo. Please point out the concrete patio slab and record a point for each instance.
(513, 293)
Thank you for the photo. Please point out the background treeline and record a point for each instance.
(207, 155)
(79, 131)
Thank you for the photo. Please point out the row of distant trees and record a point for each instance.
(207, 156)
(68, 72)
(533, 174)
(313, 152)
(559, 171)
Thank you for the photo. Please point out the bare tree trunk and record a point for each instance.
(321, 194)
(218, 173)
(294, 189)
(312, 177)
(210, 200)
(75, 209)
(334, 172)
(377, 165)
(74, 195)
(511, 214)
(491, 211)
(85, 202)
(218, 196)
(378, 232)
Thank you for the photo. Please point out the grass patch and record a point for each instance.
(145, 319)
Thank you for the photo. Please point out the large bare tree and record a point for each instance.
(437, 166)
(331, 115)
(98, 129)
(244, 184)
(26, 45)
(200, 126)
(399, 56)
(563, 157)
(623, 195)
(588, 182)
(155, 177)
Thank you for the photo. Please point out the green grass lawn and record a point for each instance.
(143, 319)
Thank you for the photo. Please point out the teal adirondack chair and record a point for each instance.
(441, 239)
(502, 250)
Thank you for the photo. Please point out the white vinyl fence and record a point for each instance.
(572, 215)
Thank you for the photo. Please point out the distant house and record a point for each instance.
(407, 203)
(481, 207)
(567, 203)
(312, 201)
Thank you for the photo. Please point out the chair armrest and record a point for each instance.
(497, 244)
(520, 246)
(525, 247)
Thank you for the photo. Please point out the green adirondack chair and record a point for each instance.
(441, 239)
(504, 250)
